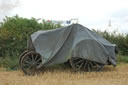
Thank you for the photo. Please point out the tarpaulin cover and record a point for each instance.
(59, 45)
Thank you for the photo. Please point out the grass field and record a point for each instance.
(63, 76)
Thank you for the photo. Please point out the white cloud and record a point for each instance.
(91, 13)
(6, 7)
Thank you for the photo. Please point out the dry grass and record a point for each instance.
(59, 76)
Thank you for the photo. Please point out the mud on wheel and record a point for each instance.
(85, 65)
(30, 62)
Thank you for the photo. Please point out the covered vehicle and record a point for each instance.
(76, 44)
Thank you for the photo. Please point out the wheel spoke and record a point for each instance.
(32, 57)
(89, 68)
(36, 57)
(79, 61)
(24, 63)
(91, 65)
(28, 58)
(85, 65)
(81, 65)
(27, 62)
(38, 60)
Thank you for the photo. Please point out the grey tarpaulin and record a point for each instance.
(59, 45)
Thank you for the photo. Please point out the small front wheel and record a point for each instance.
(29, 63)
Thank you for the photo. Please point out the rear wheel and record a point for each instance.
(85, 65)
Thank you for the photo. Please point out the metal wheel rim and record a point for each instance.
(22, 56)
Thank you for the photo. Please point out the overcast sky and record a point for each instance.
(91, 13)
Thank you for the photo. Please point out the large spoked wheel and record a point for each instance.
(85, 65)
(30, 63)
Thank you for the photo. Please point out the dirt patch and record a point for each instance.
(109, 76)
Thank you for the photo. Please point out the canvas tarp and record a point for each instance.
(59, 45)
